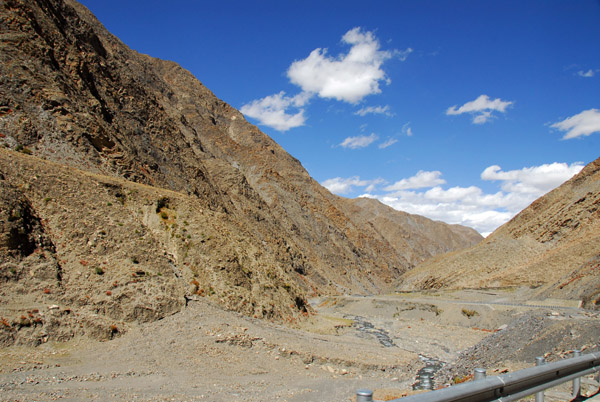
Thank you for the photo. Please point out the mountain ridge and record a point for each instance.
(75, 95)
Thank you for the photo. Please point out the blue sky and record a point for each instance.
(462, 111)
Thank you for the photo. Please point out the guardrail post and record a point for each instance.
(479, 374)
(576, 381)
(539, 397)
(364, 395)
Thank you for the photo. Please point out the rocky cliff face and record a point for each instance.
(553, 244)
(137, 176)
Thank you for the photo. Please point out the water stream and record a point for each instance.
(425, 376)
(367, 330)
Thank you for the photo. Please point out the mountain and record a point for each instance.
(414, 237)
(554, 244)
(129, 189)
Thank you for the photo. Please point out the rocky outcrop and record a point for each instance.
(553, 244)
(103, 125)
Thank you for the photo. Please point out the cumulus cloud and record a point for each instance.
(272, 111)
(374, 110)
(348, 77)
(481, 108)
(536, 180)
(582, 124)
(587, 74)
(360, 141)
(421, 180)
(343, 186)
(425, 195)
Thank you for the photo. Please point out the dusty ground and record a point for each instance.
(205, 353)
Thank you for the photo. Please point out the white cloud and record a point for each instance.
(481, 108)
(342, 186)
(482, 117)
(403, 54)
(423, 194)
(407, 130)
(373, 184)
(584, 123)
(536, 180)
(453, 194)
(589, 73)
(374, 110)
(349, 77)
(272, 111)
(360, 141)
(388, 143)
(421, 180)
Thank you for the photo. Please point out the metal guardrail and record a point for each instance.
(511, 386)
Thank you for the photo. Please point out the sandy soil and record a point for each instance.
(205, 353)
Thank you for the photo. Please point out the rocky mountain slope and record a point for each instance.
(414, 237)
(553, 244)
(129, 188)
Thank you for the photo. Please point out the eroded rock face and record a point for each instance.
(261, 235)
(19, 228)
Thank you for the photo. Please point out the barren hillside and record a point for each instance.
(414, 237)
(553, 244)
(135, 187)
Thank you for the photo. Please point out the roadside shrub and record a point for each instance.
(162, 202)
(458, 380)
(99, 271)
(469, 313)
